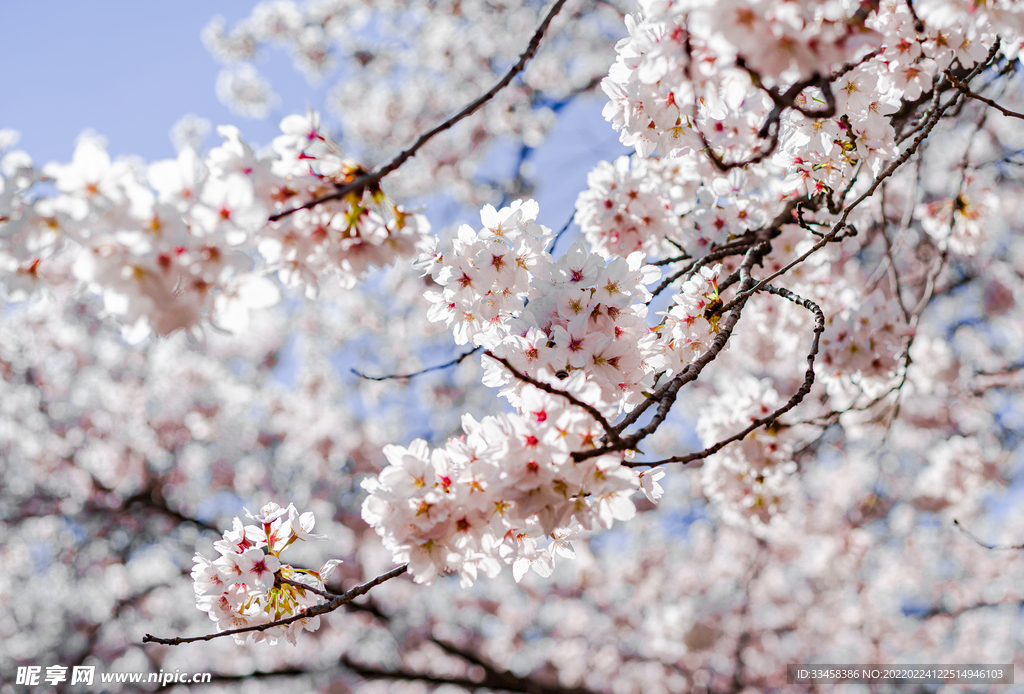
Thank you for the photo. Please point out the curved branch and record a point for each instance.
(733, 248)
(967, 92)
(941, 611)
(805, 387)
(971, 535)
(372, 179)
(666, 395)
(609, 430)
(316, 610)
(928, 125)
(454, 362)
(495, 680)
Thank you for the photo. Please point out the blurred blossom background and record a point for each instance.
(118, 461)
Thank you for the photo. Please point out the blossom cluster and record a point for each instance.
(693, 77)
(576, 324)
(683, 54)
(248, 585)
(958, 223)
(864, 339)
(692, 323)
(672, 205)
(752, 480)
(509, 491)
(628, 207)
(503, 292)
(394, 69)
(181, 241)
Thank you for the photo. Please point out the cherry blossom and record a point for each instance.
(763, 410)
(246, 586)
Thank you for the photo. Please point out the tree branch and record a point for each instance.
(666, 396)
(316, 610)
(967, 92)
(805, 387)
(609, 430)
(974, 537)
(929, 124)
(458, 360)
(371, 179)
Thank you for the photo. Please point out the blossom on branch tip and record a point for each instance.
(247, 586)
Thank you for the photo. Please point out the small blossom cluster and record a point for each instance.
(248, 585)
(577, 313)
(956, 469)
(863, 340)
(959, 223)
(174, 243)
(507, 492)
(683, 53)
(487, 274)
(819, 154)
(667, 204)
(750, 480)
(628, 207)
(272, 22)
(692, 323)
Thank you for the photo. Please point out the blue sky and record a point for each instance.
(127, 70)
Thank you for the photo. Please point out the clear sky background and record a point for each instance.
(128, 70)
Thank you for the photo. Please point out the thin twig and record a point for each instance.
(458, 360)
(940, 611)
(278, 578)
(564, 228)
(609, 430)
(974, 537)
(716, 254)
(314, 611)
(1001, 372)
(371, 179)
(966, 90)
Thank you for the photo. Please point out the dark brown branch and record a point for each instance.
(978, 97)
(502, 681)
(454, 362)
(372, 179)
(918, 24)
(152, 499)
(667, 394)
(941, 611)
(974, 537)
(738, 246)
(743, 243)
(780, 102)
(930, 123)
(662, 392)
(1012, 368)
(281, 580)
(796, 399)
(609, 430)
(322, 608)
